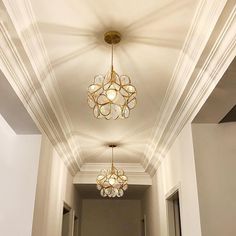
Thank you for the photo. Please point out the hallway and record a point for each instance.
(117, 118)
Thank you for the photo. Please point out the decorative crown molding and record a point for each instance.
(29, 60)
(206, 53)
(135, 172)
(127, 167)
(57, 123)
(215, 57)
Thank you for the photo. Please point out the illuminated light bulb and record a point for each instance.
(111, 94)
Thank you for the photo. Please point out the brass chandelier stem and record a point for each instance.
(112, 157)
(112, 163)
(112, 48)
(112, 51)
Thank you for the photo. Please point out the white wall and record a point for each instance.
(215, 156)
(177, 169)
(111, 217)
(19, 157)
(54, 186)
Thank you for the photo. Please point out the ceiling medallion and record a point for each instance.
(112, 182)
(112, 96)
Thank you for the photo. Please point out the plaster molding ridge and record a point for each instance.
(134, 178)
(19, 78)
(194, 45)
(208, 76)
(128, 167)
(221, 55)
(31, 40)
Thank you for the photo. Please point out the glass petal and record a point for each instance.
(125, 80)
(105, 109)
(132, 103)
(96, 111)
(99, 80)
(120, 192)
(125, 187)
(91, 102)
(123, 177)
(100, 177)
(123, 92)
(115, 111)
(130, 88)
(108, 117)
(125, 112)
(93, 88)
(120, 172)
(102, 99)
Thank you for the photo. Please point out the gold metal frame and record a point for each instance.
(119, 87)
(112, 182)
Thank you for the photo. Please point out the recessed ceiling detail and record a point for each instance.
(166, 48)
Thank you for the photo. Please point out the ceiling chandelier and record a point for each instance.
(112, 182)
(112, 96)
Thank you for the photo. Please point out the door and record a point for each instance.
(67, 221)
(76, 226)
(173, 211)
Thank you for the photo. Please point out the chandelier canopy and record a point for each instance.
(112, 182)
(112, 96)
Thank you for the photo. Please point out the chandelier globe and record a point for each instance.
(112, 182)
(112, 96)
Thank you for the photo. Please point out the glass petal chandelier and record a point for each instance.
(112, 96)
(112, 182)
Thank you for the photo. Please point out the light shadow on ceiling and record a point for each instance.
(158, 14)
(95, 36)
(159, 42)
(64, 30)
(137, 131)
(125, 143)
(74, 54)
(132, 151)
(145, 86)
(99, 141)
(97, 153)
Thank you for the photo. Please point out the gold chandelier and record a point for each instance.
(112, 182)
(112, 96)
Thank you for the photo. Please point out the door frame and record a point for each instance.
(169, 209)
(71, 218)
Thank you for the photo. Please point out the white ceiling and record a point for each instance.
(174, 51)
(153, 33)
